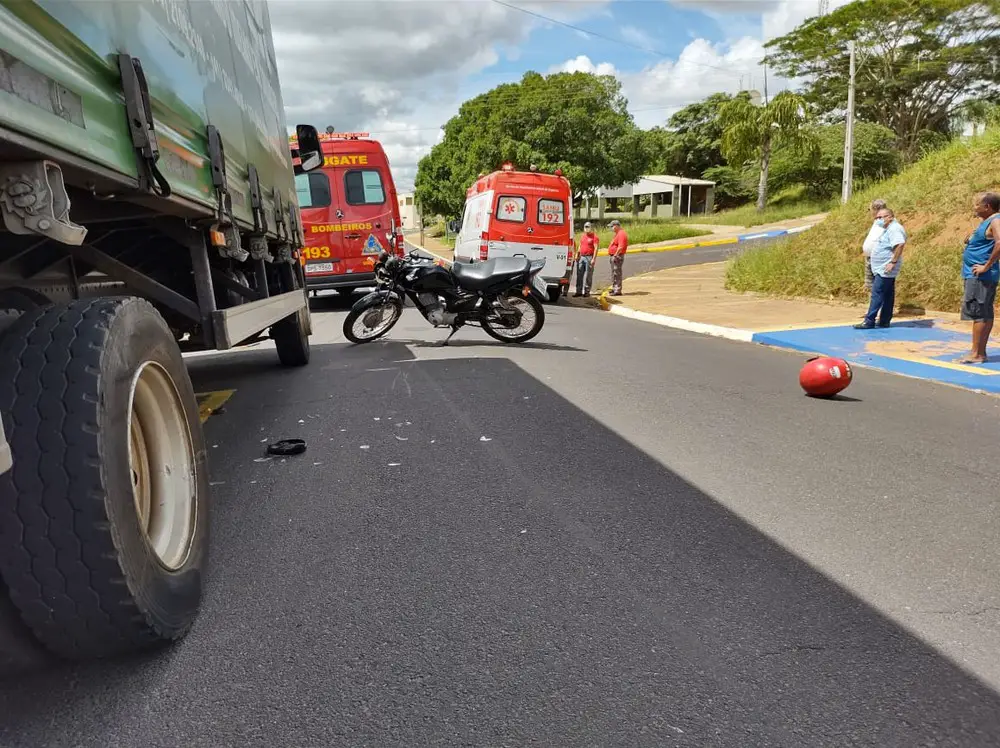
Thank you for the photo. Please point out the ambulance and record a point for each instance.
(350, 213)
(520, 213)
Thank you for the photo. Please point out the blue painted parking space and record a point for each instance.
(926, 348)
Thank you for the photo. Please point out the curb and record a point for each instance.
(426, 251)
(717, 331)
(762, 339)
(716, 242)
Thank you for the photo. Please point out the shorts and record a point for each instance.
(977, 304)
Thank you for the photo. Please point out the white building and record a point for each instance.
(408, 211)
(662, 195)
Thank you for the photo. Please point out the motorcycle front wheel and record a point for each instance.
(529, 322)
(370, 322)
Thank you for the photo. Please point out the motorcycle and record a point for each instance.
(503, 296)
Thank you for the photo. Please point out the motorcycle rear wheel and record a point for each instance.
(361, 325)
(496, 330)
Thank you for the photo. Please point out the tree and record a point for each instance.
(576, 122)
(821, 169)
(919, 60)
(749, 132)
(978, 114)
(692, 141)
(733, 186)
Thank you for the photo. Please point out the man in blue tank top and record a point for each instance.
(980, 273)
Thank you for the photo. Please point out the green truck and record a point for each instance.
(149, 207)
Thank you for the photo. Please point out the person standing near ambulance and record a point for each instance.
(585, 257)
(616, 251)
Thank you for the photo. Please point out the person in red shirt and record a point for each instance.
(616, 251)
(585, 256)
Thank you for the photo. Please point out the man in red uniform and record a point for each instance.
(589, 244)
(616, 251)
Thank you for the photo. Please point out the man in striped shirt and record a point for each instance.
(616, 251)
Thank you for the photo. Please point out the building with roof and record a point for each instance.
(655, 195)
(408, 211)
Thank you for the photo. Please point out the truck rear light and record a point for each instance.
(484, 248)
(400, 243)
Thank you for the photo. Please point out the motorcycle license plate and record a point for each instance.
(539, 285)
(319, 267)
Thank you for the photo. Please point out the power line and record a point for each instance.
(612, 39)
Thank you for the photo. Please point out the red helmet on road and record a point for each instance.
(825, 376)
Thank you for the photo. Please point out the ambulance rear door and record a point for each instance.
(532, 224)
(475, 222)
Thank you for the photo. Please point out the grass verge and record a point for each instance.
(932, 199)
(642, 231)
(784, 206)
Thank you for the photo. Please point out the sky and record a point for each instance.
(399, 69)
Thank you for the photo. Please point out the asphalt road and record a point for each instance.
(637, 263)
(616, 535)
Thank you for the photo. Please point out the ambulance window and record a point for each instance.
(313, 189)
(364, 187)
(552, 212)
(510, 208)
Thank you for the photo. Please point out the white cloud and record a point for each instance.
(702, 68)
(394, 67)
(778, 17)
(582, 64)
(399, 68)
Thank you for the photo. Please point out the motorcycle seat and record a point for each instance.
(476, 276)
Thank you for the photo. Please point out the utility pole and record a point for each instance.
(848, 181)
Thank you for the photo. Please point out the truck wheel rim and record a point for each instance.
(162, 465)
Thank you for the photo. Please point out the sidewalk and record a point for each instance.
(432, 245)
(693, 298)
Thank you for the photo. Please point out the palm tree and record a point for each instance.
(749, 132)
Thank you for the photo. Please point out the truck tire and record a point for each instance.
(291, 335)
(104, 515)
(22, 299)
(292, 340)
(20, 652)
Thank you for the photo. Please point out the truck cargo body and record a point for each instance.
(148, 204)
(205, 62)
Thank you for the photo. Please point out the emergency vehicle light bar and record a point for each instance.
(292, 139)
